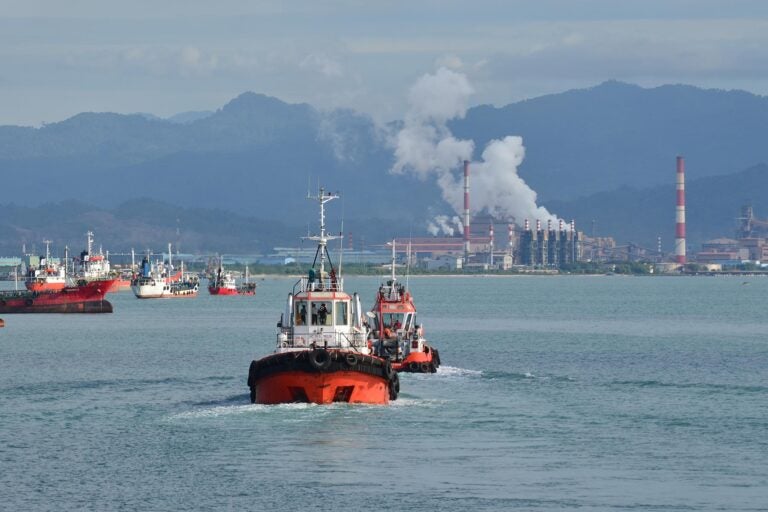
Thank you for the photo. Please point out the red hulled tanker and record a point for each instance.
(86, 298)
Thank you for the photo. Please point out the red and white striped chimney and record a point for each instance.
(527, 225)
(490, 236)
(680, 213)
(466, 209)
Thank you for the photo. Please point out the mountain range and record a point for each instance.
(604, 154)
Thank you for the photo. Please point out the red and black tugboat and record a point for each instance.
(396, 334)
(84, 298)
(322, 352)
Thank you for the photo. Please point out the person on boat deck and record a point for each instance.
(303, 314)
(314, 314)
(322, 313)
(387, 332)
(397, 325)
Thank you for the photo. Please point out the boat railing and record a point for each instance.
(333, 339)
(326, 284)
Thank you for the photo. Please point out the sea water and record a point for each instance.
(556, 393)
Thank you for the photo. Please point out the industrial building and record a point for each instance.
(550, 247)
(750, 244)
(477, 247)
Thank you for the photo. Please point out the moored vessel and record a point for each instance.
(47, 275)
(83, 298)
(247, 288)
(221, 282)
(94, 266)
(322, 353)
(396, 334)
(155, 281)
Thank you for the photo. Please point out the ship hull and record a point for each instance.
(100, 306)
(161, 291)
(87, 298)
(419, 362)
(213, 290)
(44, 286)
(322, 377)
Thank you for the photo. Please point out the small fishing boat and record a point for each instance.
(322, 353)
(396, 334)
(247, 288)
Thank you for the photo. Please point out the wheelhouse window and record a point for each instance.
(341, 313)
(300, 312)
(393, 320)
(321, 313)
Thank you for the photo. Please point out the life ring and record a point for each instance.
(350, 359)
(424, 367)
(283, 344)
(320, 359)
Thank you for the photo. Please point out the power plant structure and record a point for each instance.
(475, 246)
(551, 247)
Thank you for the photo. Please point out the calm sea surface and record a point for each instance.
(556, 393)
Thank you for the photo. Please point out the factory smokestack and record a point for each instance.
(466, 209)
(680, 213)
(490, 236)
(511, 235)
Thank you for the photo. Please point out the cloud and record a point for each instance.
(327, 66)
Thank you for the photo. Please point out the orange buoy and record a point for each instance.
(2, 322)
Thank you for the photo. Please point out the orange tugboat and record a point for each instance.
(397, 336)
(322, 352)
(86, 298)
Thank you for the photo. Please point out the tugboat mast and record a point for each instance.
(322, 239)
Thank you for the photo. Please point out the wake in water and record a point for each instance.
(524, 376)
(315, 409)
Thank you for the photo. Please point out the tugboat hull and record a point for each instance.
(322, 376)
(419, 362)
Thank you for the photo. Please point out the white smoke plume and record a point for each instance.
(445, 225)
(426, 147)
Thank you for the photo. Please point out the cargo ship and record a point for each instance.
(84, 298)
(94, 266)
(152, 282)
(396, 334)
(322, 353)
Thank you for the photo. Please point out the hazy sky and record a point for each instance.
(58, 58)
